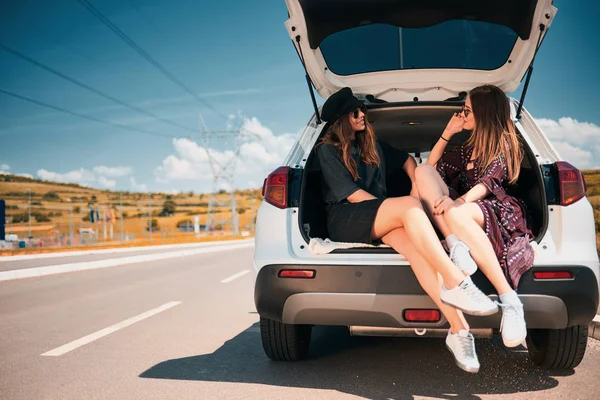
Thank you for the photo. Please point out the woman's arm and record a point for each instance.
(410, 165)
(454, 126)
(477, 192)
(360, 195)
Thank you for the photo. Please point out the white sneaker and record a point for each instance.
(461, 257)
(513, 326)
(469, 299)
(462, 347)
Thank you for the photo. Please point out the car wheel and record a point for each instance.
(285, 342)
(557, 348)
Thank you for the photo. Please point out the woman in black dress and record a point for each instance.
(354, 189)
(464, 191)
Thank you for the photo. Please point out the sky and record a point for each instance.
(232, 65)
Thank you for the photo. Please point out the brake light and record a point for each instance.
(571, 183)
(297, 273)
(422, 315)
(275, 186)
(553, 275)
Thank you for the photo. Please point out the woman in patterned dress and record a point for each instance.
(464, 191)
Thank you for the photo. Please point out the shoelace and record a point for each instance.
(467, 345)
(511, 313)
(473, 291)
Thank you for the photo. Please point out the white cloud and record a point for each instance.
(5, 170)
(98, 176)
(80, 175)
(107, 183)
(260, 152)
(576, 142)
(113, 171)
(137, 187)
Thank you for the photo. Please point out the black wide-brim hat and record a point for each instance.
(340, 103)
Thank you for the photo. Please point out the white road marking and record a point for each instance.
(59, 351)
(234, 277)
(86, 265)
(120, 250)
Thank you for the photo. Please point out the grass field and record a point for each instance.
(136, 206)
(53, 215)
(592, 179)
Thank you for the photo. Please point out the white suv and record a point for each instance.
(413, 65)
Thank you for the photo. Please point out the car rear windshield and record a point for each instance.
(456, 44)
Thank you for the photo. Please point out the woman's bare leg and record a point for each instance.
(466, 222)
(426, 275)
(408, 212)
(431, 187)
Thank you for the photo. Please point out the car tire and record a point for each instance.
(557, 348)
(285, 342)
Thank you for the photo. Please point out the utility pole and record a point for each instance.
(224, 172)
(150, 217)
(71, 221)
(104, 220)
(121, 208)
(29, 212)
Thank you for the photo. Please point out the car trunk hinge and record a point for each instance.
(529, 72)
(308, 80)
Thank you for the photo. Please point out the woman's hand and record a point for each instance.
(454, 126)
(443, 204)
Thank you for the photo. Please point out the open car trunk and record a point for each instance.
(414, 129)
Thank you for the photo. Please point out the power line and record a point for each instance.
(87, 87)
(146, 56)
(6, 92)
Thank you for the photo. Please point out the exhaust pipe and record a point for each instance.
(412, 332)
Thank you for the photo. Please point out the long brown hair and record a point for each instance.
(494, 134)
(340, 133)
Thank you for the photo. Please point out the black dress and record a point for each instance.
(351, 222)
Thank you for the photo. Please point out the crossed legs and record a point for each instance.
(427, 276)
(465, 221)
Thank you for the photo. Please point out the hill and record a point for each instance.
(51, 206)
(56, 208)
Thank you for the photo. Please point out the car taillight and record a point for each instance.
(297, 273)
(275, 187)
(422, 315)
(553, 275)
(571, 183)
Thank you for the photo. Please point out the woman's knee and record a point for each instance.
(424, 171)
(401, 204)
(457, 214)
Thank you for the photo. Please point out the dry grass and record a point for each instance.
(190, 238)
(136, 207)
(592, 180)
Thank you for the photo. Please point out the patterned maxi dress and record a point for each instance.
(505, 219)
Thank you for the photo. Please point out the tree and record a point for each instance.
(40, 217)
(191, 193)
(154, 225)
(17, 218)
(51, 196)
(168, 209)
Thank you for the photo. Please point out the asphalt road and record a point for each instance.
(208, 345)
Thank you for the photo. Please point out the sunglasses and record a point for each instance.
(466, 111)
(355, 113)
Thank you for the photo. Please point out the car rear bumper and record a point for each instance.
(378, 295)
